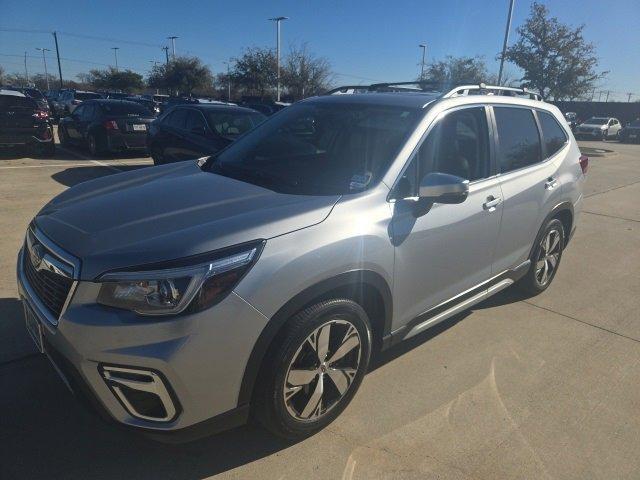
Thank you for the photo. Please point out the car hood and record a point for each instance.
(169, 212)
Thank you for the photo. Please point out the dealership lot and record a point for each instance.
(525, 388)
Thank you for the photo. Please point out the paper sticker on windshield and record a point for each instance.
(358, 182)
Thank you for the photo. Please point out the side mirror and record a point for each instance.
(199, 131)
(444, 188)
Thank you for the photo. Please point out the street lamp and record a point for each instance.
(423, 46)
(228, 81)
(44, 60)
(278, 20)
(173, 46)
(506, 40)
(115, 52)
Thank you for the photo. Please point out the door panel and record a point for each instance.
(442, 250)
(530, 187)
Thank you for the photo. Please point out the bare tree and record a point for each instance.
(304, 74)
(556, 59)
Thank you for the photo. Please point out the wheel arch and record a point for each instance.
(366, 287)
(563, 212)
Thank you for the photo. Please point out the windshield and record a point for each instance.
(125, 108)
(320, 149)
(33, 93)
(233, 124)
(597, 121)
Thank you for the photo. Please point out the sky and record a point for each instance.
(365, 40)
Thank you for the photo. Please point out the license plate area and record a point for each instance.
(139, 128)
(33, 326)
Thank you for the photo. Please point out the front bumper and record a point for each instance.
(588, 133)
(200, 357)
(10, 137)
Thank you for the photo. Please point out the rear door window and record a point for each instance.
(554, 135)
(194, 120)
(518, 138)
(177, 119)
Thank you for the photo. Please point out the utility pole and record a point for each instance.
(44, 60)
(278, 20)
(166, 53)
(608, 92)
(228, 82)
(629, 96)
(423, 46)
(26, 72)
(506, 40)
(593, 95)
(173, 46)
(115, 52)
(600, 95)
(55, 37)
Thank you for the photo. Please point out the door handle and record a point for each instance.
(551, 183)
(491, 203)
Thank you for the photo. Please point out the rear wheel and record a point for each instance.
(313, 369)
(96, 145)
(605, 135)
(157, 154)
(63, 136)
(545, 259)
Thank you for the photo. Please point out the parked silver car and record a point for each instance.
(600, 128)
(182, 297)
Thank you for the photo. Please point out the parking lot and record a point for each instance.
(546, 387)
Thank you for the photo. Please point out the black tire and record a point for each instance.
(605, 135)
(96, 145)
(157, 155)
(340, 319)
(532, 283)
(63, 136)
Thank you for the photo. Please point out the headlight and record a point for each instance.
(172, 290)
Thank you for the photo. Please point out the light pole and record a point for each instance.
(173, 46)
(115, 52)
(506, 40)
(228, 81)
(44, 60)
(166, 54)
(278, 20)
(26, 72)
(423, 46)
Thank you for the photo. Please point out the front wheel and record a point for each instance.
(157, 154)
(313, 369)
(605, 135)
(545, 259)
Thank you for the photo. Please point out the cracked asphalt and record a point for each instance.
(545, 387)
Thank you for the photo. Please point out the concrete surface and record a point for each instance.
(547, 387)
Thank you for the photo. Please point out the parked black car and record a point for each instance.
(631, 132)
(24, 123)
(106, 126)
(267, 109)
(196, 130)
(33, 93)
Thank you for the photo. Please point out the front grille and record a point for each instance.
(52, 289)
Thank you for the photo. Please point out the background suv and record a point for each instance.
(601, 128)
(195, 130)
(262, 283)
(23, 122)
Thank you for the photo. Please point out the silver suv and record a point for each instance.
(181, 298)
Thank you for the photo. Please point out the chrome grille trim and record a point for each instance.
(52, 261)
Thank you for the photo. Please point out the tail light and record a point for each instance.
(584, 163)
(110, 125)
(41, 115)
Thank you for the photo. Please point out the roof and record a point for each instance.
(415, 100)
(220, 107)
(13, 93)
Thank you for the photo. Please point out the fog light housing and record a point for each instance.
(143, 393)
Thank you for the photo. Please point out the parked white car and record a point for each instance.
(601, 128)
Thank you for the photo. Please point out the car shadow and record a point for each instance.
(47, 432)
(72, 176)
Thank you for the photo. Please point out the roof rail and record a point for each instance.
(491, 90)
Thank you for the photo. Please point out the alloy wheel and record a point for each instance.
(548, 257)
(322, 370)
